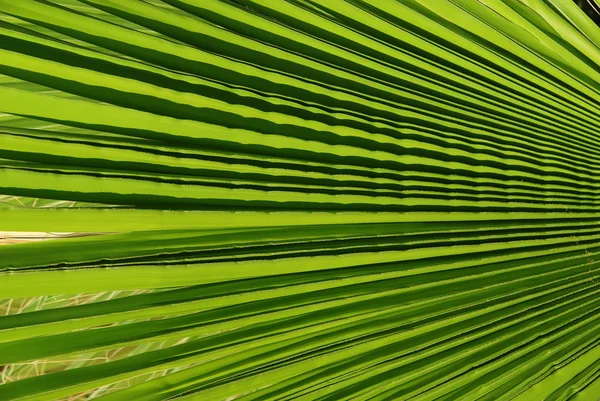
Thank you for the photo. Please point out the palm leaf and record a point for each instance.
(299, 200)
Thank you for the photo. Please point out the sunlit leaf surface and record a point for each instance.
(299, 200)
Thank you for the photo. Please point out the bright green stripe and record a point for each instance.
(169, 243)
(136, 220)
(95, 280)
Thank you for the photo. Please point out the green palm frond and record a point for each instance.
(299, 200)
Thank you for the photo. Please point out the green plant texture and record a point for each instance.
(312, 200)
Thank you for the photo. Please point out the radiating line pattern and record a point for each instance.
(300, 200)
